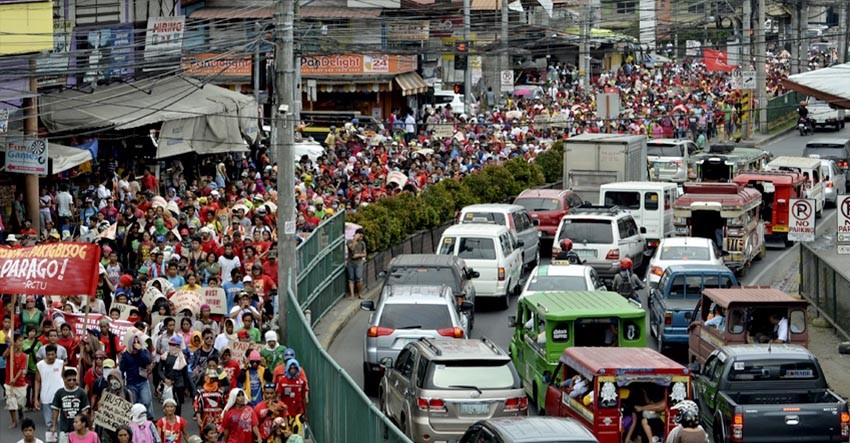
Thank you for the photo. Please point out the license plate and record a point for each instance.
(474, 408)
(780, 229)
(585, 253)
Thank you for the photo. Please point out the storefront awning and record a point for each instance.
(66, 157)
(411, 83)
(145, 102)
(831, 85)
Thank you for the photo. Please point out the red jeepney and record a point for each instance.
(616, 381)
(726, 213)
(777, 189)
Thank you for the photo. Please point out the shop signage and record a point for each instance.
(357, 64)
(53, 67)
(65, 268)
(164, 36)
(417, 30)
(445, 26)
(26, 155)
(217, 65)
(110, 53)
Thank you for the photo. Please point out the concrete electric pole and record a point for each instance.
(283, 139)
(505, 59)
(584, 43)
(467, 73)
(760, 66)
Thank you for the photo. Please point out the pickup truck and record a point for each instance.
(823, 115)
(769, 393)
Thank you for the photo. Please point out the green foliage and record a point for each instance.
(551, 163)
(389, 221)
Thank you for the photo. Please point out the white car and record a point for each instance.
(834, 181)
(681, 251)
(562, 277)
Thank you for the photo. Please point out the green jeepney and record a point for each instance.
(722, 162)
(547, 323)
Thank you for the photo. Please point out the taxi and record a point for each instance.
(562, 276)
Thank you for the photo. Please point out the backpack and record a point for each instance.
(624, 286)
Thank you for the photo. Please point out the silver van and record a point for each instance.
(516, 218)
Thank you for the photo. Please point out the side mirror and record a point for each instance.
(520, 244)
(512, 321)
(535, 222)
(367, 305)
(694, 368)
(642, 230)
(382, 275)
(386, 362)
(471, 273)
(467, 306)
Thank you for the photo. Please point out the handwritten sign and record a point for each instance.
(113, 412)
(151, 295)
(238, 349)
(397, 177)
(190, 300)
(124, 310)
(215, 297)
(444, 130)
(165, 286)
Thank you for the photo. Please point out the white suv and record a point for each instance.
(601, 236)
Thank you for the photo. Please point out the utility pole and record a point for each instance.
(31, 187)
(283, 139)
(584, 43)
(761, 68)
(467, 73)
(843, 10)
(505, 60)
(745, 34)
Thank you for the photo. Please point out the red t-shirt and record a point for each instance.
(233, 370)
(171, 432)
(20, 362)
(240, 425)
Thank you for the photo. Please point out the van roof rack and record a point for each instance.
(431, 345)
(491, 345)
(596, 209)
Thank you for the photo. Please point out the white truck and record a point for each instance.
(823, 115)
(591, 160)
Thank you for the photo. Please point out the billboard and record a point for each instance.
(26, 155)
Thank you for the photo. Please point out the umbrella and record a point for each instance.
(350, 229)
(519, 92)
(272, 207)
(158, 202)
(511, 115)
(241, 207)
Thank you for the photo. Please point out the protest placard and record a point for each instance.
(150, 296)
(443, 131)
(123, 308)
(239, 348)
(190, 300)
(113, 412)
(216, 298)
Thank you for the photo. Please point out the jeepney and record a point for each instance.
(619, 379)
(745, 318)
(726, 213)
(549, 322)
(721, 162)
(810, 168)
(777, 189)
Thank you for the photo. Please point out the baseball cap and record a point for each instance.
(247, 278)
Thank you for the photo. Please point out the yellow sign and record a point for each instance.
(28, 27)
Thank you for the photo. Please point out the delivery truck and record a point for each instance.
(591, 160)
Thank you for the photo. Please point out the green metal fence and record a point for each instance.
(338, 410)
(321, 267)
(782, 109)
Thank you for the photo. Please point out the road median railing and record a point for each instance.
(825, 282)
(321, 267)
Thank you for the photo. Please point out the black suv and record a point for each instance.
(437, 270)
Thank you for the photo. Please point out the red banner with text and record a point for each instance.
(50, 269)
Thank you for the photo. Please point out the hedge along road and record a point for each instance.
(347, 348)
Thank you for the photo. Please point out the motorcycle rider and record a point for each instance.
(626, 283)
(803, 111)
(687, 428)
(567, 253)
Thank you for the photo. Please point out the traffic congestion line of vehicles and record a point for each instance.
(578, 348)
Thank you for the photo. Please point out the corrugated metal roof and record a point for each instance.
(567, 305)
(328, 12)
(782, 177)
(235, 13)
(829, 84)
(411, 83)
(595, 358)
(724, 297)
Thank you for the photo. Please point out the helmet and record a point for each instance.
(803, 103)
(688, 415)
(625, 263)
(254, 356)
(566, 244)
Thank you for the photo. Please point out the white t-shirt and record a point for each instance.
(781, 330)
(64, 200)
(51, 380)
(61, 354)
(36, 441)
(228, 264)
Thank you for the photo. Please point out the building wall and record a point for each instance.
(28, 27)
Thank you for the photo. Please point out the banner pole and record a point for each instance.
(83, 353)
(11, 347)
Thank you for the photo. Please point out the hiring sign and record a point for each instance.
(801, 220)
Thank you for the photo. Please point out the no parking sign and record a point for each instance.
(843, 234)
(801, 220)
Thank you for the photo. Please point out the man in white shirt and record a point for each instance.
(61, 352)
(28, 429)
(48, 380)
(780, 328)
(64, 205)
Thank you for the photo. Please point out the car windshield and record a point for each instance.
(415, 316)
(484, 217)
(558, 283)
(463, 374)
(684, 253)
(539, 203)
(472, 248)
(423, 276)
(587, 231)
(663, 150)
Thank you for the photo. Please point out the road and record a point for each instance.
(347, 349)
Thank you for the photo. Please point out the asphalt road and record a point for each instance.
(347, 349)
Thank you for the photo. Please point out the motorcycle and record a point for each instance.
(804, 125)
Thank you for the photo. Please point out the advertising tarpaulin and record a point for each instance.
(356, 64)
(215, 65)
(65, 269)
(26, 155)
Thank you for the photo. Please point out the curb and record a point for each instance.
(769, 139)
(338, 317)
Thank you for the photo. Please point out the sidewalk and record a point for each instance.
(339, 315)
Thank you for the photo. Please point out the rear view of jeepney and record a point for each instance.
(725, 213)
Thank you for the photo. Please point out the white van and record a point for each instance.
(516, 218)
(809, 167)
(493, 252)
(649, 203)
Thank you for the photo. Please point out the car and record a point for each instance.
(406, 313)
(528, 430)
(681, 251)
(437, 388)
(548, 206)
(562, 277)
(837, 149)
(493, 252)
(834, 181)
(601, 236)
(668, 159)
(515, 218)
(433, 269)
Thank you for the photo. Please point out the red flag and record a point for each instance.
(716, 60)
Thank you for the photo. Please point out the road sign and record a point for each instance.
(507, 80)
(801, 220)
(735, 78)
(843, 249)
(843, 228)
(748, 80)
